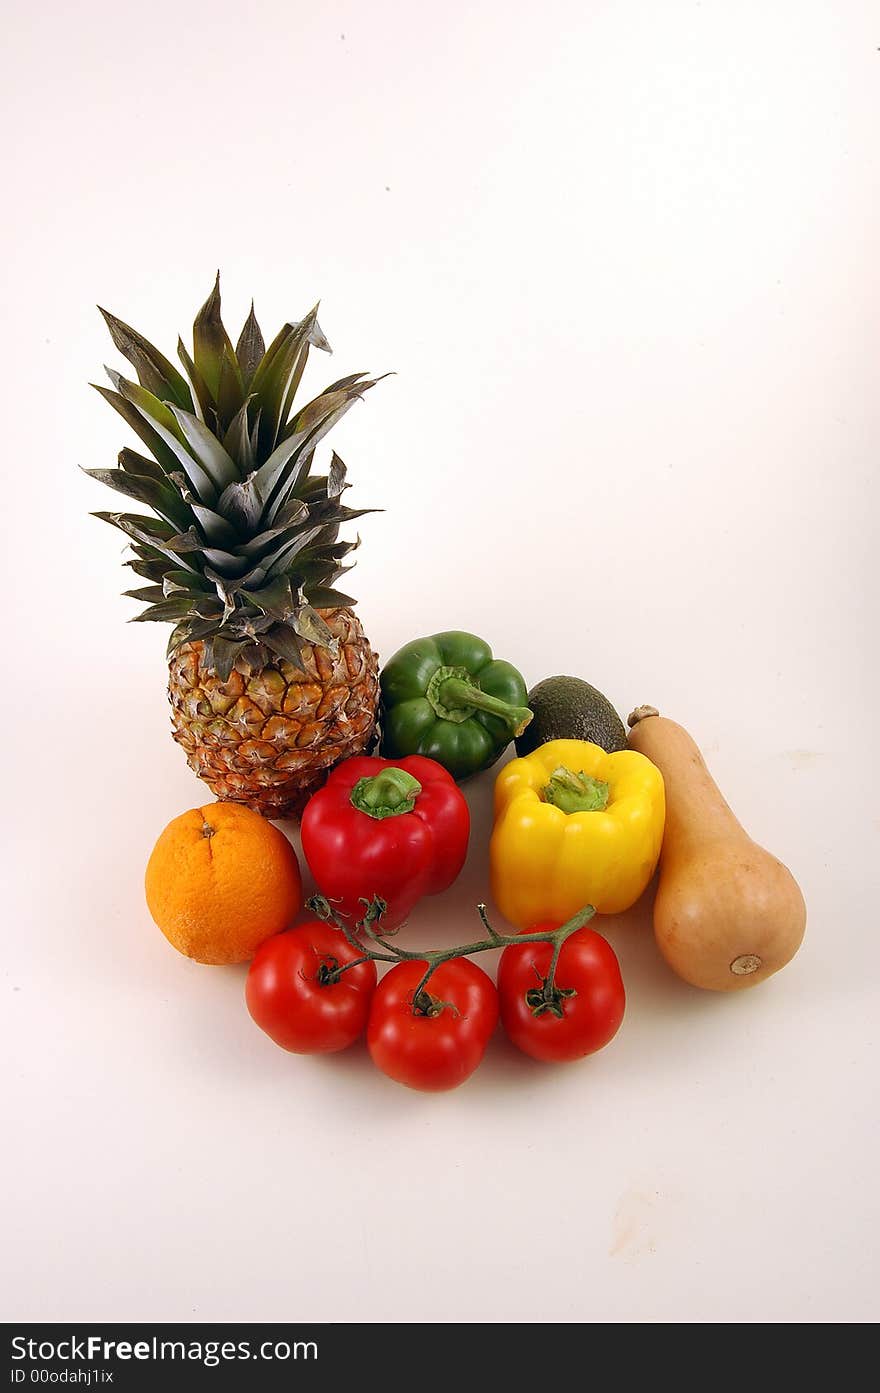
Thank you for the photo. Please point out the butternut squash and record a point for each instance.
(727, 913)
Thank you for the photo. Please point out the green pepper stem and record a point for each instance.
(575, 793)
(456, 694)
(386, 794)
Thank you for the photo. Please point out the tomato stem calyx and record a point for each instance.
(328, 972)
(424, 1004)
(548, 998)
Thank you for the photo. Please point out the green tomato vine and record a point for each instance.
(372, 944)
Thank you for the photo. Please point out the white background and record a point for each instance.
(623, 258)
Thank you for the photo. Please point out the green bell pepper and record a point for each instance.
(447, 698)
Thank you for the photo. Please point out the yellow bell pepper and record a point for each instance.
(574, 826)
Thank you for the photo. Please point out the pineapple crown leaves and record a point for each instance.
(241, 550)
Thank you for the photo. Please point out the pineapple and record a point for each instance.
(272, 680)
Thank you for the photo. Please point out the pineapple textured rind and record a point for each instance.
(268, 738)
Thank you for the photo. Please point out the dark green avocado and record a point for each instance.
(567, 708)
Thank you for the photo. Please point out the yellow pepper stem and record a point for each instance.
(575, 792)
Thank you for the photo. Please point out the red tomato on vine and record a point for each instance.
(438, 1047)
(296, 992)
(583, 1011)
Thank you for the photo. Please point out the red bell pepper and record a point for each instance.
(393, 828)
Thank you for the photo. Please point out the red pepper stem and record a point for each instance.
(456, 699)
(387, 794)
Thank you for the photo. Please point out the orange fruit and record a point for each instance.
(220, 880)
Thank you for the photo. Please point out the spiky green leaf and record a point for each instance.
(279, 558)
(325, 597)
(223, 655)
(230, 392)
(157, 494)
(283, 362)
(171, 611)
(134, 463)
(242, 504)
(336, 484)
(295, 510)
(153, 570)
(335, 514)
(271, 473)
(163, 421)
(251, 348)
(237, 441)
(315, 412)
(144, 553)
(158, 413)
(187, 541)
(165, 456)
(343, 382)
(324, 567)
(323, 410)
(225, 562)
(282, 641)
(153, 529)
(275, 599)
(203, 399)
(178, 636)
(316, 420)
(214, 527)
(150, 594)
(247, 622)
(320, 571)
(253, 578)
(312, 489)
(315, 340)
(309, 625)
(289, 463)
(153, 534)
(154, 371)
(191, 630)
(207, 449)
(261, 543)
(193, 582)
(210, 339)
(255, 433)
(230, 588)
